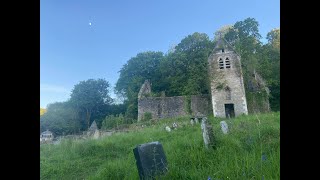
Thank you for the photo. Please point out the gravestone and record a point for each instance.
(264, 157)
(196, 120)
(207, 133)
(92, 129)
(151, 160)
(175, 125)
(191, 121)
(96, 134)
(224, 127)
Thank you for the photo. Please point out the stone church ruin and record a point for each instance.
(167, 107)
(227, 87)
(227, 99)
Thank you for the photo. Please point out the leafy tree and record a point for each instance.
(270, 66)
(91, 97)
(133, 74)
(184, 71)
(222, 32)
(60, 118)
(72, 116)
(116, 109)
(136, 71)
(245, 37)
(264, 59)
(112, 109)
(274, 38)
(112, 121)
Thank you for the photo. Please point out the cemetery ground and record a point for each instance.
(250, 150)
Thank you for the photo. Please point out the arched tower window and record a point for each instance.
(227, 61)
(221, 64)
(228, 93)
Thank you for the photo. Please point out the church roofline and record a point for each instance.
(228, 44)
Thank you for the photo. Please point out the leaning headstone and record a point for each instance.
(191, 121)
(168, 128)
(224, 127)
(151, 160)
(207, 133)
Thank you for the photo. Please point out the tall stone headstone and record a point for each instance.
(168, 128)
(196, 120)
(151, 160)
(191, 121)
(224, 127)
(96, 134)
(207, 133)
(91, 131)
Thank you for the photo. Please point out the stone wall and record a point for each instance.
(257, 95)
(201, 104)
(145, 89)
(258, 102)
(167, 107)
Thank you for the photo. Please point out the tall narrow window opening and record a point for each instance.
(221, 64)
(228, 65)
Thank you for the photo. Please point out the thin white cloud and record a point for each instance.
(53, 88)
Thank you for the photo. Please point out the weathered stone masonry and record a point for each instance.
(227, 87)
(166, 107)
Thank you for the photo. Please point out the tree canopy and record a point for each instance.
(90, 97)
(90, 100)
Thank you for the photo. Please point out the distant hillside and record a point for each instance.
(42, 111)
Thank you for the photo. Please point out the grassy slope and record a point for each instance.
(237, 156)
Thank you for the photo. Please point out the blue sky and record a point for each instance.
(71, 50)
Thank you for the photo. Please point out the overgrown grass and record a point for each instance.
(241, 154)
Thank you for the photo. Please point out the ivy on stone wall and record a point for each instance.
(257, 101)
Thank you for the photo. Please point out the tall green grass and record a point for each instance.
(251, 150)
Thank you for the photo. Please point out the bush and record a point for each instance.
(112, 121)
(132, 111)
(147, 116)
